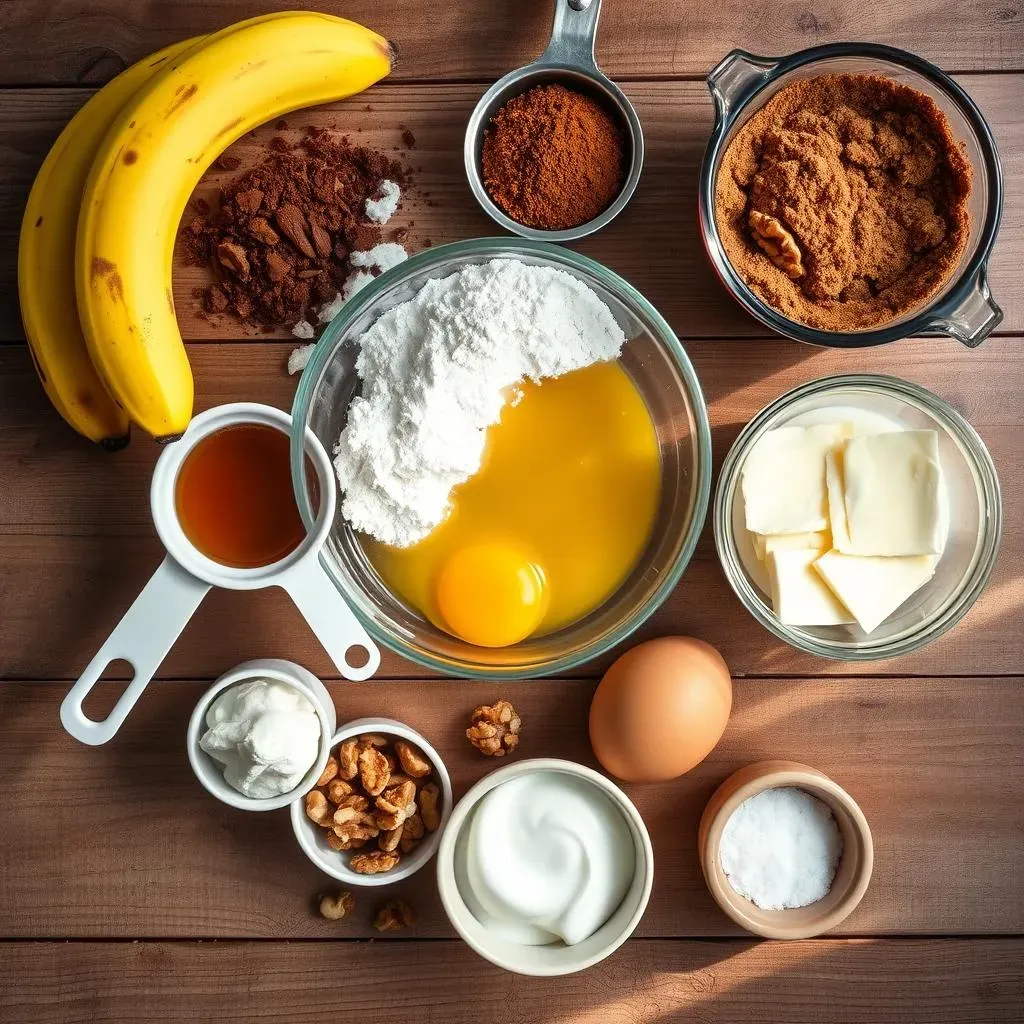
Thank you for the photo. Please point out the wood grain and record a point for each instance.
(655, 244)
(853, 982)
(121, 841)
(60, 42)
(77, 544)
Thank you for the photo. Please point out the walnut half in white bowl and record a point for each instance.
(377, 812)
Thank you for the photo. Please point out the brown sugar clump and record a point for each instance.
(553, 158)
(843, 202)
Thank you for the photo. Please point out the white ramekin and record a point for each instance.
(557, 958)
(211, 773)
(311, 836)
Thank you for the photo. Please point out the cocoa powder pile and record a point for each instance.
(279, 237)
(843, 202)
(553, 158)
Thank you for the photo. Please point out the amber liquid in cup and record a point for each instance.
(234, 497)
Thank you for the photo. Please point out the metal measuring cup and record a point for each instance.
(568, 60)
(150, 627)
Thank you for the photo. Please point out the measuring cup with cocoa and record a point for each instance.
(231, 526)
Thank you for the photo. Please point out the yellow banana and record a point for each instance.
(152, 159)
(46, 261)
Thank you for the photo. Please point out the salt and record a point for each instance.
(382, 209)
(780, 849)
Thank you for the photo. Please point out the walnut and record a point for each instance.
(412, 833)
(372, 739)
(340, 845)
(356, 830)
(374, 771)
(334, 908)
(430, 796)
(338, 789)
(393, 916)
(777, 242)
(356, 800)
(317, 807)
(373, 863)
(329, 772)
(386, 821)
(390, 838)
(494, 729)
(413, 762)
(397, 798)
(348, 755)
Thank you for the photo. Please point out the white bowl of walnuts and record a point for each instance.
(376, 813)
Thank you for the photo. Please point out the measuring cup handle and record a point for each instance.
(330, 617)
(142, 638)
(573, 33)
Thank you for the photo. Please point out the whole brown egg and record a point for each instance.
(660, 709)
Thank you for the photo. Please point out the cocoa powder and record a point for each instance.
(843, 202)
(279, 237)
(553, 158)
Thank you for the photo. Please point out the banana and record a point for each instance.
(150, 162)
(46, 261)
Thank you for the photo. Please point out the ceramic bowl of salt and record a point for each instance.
(786, 852)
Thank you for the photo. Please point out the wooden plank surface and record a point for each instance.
(61, 41)
(121, 841)
(77, 543)
(655, 243)
(850, 982)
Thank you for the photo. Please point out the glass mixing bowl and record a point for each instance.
(963, 308)
(662, 373)
(974, 514)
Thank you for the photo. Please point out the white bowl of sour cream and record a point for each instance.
(261, 735)
(545, 867)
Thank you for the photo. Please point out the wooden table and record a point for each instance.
(117, 872)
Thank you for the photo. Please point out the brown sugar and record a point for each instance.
(553, 158)
(843, 202)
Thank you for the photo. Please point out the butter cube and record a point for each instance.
(891, 488)
(765, 543)
(783, 480)
(799, 595)
(837, 500)
(874, 587)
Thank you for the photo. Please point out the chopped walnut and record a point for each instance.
(338, 789)
(373, 863)
(356, 800)
(390, 838)
(317, 807)
(430, 796)
(372, 739)
(412, 833)
(348, 755)
(413, 762)
(494, 729)
(340, 845)
(374, 771)
(777, 242)
(334, 908)
(393, 916)
(330, 770)
(397, 798)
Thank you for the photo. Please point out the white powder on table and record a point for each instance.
(381, 209)
(436, 372)
(780, 849)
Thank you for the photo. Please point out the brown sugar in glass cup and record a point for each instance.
(960, 304)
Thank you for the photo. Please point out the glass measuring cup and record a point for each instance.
(151, 625)
(963, 308)
(568, 59)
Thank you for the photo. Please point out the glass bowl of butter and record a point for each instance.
(858, 517)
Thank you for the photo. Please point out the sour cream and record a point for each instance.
(265, 733)
(548, 857)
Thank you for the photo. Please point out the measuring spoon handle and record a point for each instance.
(330, 618)
(142, 638)
(573, 33)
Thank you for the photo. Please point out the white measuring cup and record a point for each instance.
(150, 627)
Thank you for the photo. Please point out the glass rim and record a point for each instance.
(934, 309)
(963, 596)
(439, 256)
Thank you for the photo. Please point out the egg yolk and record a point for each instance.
(491, 594)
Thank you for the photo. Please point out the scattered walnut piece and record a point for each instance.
(317, 807)
(348, 755)
(329, 772)
(412, 833)
(373, 863)
(334, 908)
(777, 242)
(430, 796)
(494, 728)
(338, 789)
(374, 771)
(393, 916)
(413, 762)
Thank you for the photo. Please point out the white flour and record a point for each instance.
(436, 372)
